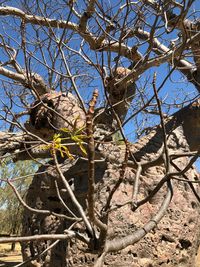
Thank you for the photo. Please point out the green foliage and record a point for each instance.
(58, 142)
(77, 136)
(58, 146)
(10, 208)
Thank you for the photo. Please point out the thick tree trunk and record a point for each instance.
(174, 242)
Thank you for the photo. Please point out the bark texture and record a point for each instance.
(174, 242)
(54, 111)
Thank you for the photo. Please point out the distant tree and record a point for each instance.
(10, 207)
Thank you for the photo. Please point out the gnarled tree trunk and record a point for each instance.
(172, 242)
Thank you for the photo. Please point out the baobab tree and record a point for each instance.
(77, 77)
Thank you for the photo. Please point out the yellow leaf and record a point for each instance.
(82, 148)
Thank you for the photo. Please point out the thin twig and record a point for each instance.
(136, 182)
(166, 150)
(63, 203)
(24, 204)
(38, 255)
(121, 178)
(71, 194)
(91, 163)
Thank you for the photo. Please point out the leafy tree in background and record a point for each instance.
(79, 81)
(10, 208)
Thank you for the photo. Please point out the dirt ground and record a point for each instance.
(11, 259)
(8, 258)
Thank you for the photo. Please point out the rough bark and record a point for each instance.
(174, 242)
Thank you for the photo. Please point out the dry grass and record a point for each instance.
(6, 247)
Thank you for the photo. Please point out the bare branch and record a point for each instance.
(37, 20)
(91, 163)
(69, 234)
(38, 255)
(35, 82)
(90, 38)
(121, 243)
(87, 14)
(39, 211)
(72, 196)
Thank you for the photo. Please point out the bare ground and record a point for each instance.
(9, 258)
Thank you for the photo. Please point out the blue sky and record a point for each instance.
(175, 90)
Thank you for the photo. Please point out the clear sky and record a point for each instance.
(175, 90)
